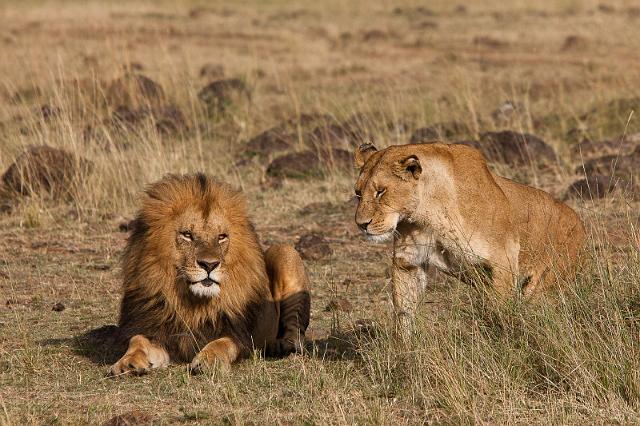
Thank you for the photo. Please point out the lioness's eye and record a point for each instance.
(186, 235)
(379, 192)
(358, 194)
(222, 237)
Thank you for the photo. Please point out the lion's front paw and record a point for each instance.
(136, 362)
(207, 362)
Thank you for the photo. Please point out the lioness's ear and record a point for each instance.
(410, 166)
(362, 154)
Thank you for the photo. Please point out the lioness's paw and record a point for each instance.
(136, 362)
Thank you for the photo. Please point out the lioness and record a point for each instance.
(197, 285)
(443, 207)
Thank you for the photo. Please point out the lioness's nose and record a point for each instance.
(208, 266)
(363, 225)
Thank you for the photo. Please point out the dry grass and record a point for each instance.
(573, 360)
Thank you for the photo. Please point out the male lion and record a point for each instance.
(198, 287)
(445, 208)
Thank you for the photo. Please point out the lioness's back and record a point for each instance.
(551, 232)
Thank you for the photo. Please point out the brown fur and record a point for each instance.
(445, 208)
(183, 222)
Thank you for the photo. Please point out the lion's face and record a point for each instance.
(385, 190)
(194, 238)
(201, 244)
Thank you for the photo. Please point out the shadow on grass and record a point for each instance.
(103, 345)
(100, 345)
(343, 344)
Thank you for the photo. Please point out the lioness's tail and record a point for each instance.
(290, 290)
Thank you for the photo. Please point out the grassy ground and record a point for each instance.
(400, 65)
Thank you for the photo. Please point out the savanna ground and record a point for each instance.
(571, 69)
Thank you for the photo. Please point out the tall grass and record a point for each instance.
(574, 355)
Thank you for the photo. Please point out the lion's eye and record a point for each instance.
(186, 235)
(380, 192)
(358, 194)
(222, 237)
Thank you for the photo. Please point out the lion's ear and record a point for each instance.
(409, 167)
(362, 154)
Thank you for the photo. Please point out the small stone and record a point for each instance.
(339, 304)
(58, 307)
(313, 246)
(131, 418)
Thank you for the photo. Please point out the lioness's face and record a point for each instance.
(201, 242)
(385, 191)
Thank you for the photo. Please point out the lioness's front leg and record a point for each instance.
(408, 281)
(224, 351)
(141, 356)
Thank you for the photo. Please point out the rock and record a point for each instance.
(45, 170)
(374, 35)
(624, 166)
(332, 135)
(605, 8)
(297, 165)
(133, 66)
(48, 112)
(219, 94)
(212, 71)
(507, 114)
(597, 186)
(339, 305)
(515, 149)
(58, 307)
(460, 9)
(300, 165)
(437, 132)
(170, 120)
(132, 418)
(273, 140)
(413, 11)
(588, 149)
(135, 91)
(491, 42)
(574, 42)
(286, 135)
(313, 246)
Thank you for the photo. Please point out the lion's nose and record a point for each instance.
(363, 225)
(208, 266)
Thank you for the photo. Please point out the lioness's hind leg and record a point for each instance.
(141, 356)
(290, 291)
